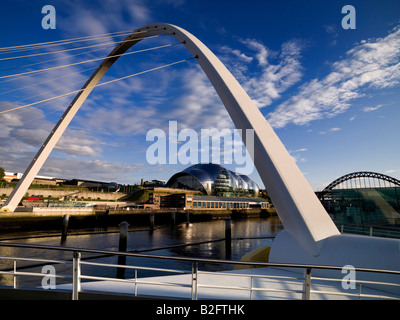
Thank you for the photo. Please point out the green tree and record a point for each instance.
(2, 173)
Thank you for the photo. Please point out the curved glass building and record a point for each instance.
(214, 179)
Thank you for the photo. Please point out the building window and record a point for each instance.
(208, 205)
(212, 204)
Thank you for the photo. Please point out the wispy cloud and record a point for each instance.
(370, 65)
(276, 71)
(332, 31)
(90, 169)
(298, 155)
(369, 109)
(264, 74)
(301, 150)
(25, 132)
(200, 106)
(330, 130)
(106, 16)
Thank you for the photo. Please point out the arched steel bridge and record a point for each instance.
(359, 175)
(299, 209)
(309, 237)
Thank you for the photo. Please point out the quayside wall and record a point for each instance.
(52, 218)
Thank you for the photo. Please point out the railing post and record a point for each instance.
(122, 247)
(152, 220)
(251, 288)
(173, 218)
(194, 280)
(307, 284)
(76, 273)
(187, 217)
(135, 282)
(15, 274)
(228, 238)
(64, 231)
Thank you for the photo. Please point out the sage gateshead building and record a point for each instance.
(214, 180)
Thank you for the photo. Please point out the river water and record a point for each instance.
(247, 234)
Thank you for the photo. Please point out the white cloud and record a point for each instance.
(26, 130)
(373, 64)
(301, 150)
(120, 120)
(200, 106)
(275, 71)
(330, 130)
(297, 155)
(369, 109)
(261, 51)
(242, 56)
(391, 171)
(89, 169)
(104, 17)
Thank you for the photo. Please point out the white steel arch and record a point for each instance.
(299, 209)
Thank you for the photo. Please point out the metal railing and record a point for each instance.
(303, 282)
(376, 231)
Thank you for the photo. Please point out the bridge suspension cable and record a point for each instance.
(51, 60)
(47, 81)
(85, 61)
(41, 45)
(98, 85)
(103, 45)
(46, 45)
(48, 91)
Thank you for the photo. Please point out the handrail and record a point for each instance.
(217, 261)
(77, 276)
(377, 231)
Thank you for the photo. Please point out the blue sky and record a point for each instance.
(332, 95)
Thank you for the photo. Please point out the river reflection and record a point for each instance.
(247, 234)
